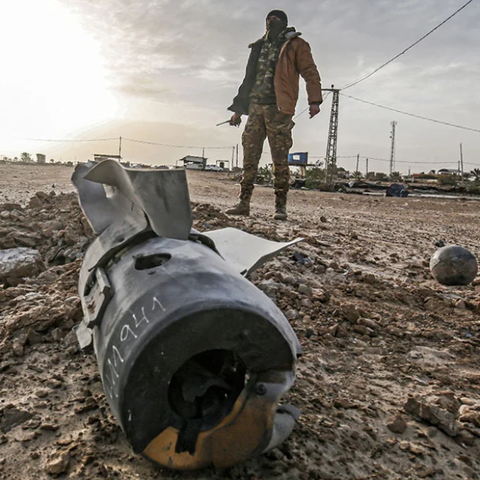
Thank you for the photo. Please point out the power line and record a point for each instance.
(361, 79)
(414, 162)
(303, 111)
(174, 146)
(411, 114)
(72, 140)
(75, 140)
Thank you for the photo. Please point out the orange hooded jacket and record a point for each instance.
(295, 59)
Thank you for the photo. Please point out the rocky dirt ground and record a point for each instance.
(389, 383)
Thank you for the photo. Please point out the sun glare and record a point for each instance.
(53, 77)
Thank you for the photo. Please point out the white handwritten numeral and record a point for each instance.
(125, 331)
(143, 319)
(156, 302)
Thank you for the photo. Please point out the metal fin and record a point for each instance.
(162, 195)
(246, 252)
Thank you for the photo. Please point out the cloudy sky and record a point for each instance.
(164, 71)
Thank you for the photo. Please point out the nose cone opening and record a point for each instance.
(204, 390)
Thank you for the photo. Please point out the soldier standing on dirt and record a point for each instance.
(268, 95)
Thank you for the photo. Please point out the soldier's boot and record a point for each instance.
(242, 208)
(280, 207)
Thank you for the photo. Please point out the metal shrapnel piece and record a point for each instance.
(244, 251)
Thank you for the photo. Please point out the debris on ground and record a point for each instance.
(388, 384)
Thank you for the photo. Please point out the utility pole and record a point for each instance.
(358, 161)
(392, 152)
(331, 155)
(232, 165)
(461, 160)
(203, 152)
(120, 148)
(236, 160)
(366, 168)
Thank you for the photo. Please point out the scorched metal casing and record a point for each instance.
(193, 357)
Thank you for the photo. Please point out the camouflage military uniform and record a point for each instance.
(266, 121)
(268, 95)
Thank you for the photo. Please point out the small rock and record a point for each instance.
(448, 401)
(54, 225)
(306, 302)
(269, 287)
(49, 427)
(42, 393)
(54, 383)
(362, 330)
(72, 300)
(397, 424)
(12, 417)
(64, 442)
(466, 438)
(471, 417)
(425, 472)
(351, 313)
(70, 338)
(17, 263)
(367, 323)
(23, 436)
(89, 405)
(321, 295)
(58, 334)
(18, 349)
(305, 290)
(334, 330)
(461, 305)
(343, 403)
(466, 459)
(310, 332)
(33, 338)
(395, 331)
(58, 464)
(433, 304)
(292, 314)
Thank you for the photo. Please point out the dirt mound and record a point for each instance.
(388, 384)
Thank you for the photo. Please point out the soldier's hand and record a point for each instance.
(314, 109)
(236, 120)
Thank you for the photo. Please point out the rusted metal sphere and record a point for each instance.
(453, 265)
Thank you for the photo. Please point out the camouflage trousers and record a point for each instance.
(266, 121)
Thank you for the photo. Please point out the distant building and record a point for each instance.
(41, 158)
(193, 163)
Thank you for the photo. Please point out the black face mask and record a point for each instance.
(274, 27)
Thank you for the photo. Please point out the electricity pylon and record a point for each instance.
(331, 154)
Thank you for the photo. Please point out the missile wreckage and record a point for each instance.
(194, 359)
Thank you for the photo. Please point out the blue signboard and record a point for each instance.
(300, 158)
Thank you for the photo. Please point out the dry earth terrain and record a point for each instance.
(389, 383)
